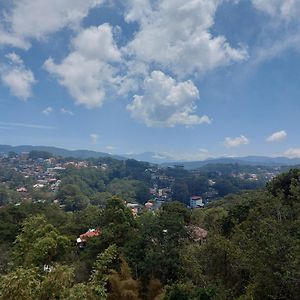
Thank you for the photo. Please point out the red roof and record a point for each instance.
(196, 197)
(90, 233)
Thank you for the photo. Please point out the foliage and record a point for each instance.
(35, 154)
(117, 223)
(8, 196)
(122, 285)
(251, 250)
(39, 243)
(21, 284)
(100, 274)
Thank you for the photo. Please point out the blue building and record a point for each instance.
(196, 201)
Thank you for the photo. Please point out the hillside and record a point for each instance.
(83, 154)
(248, 160)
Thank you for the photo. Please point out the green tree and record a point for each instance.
(34, 154)
(56, 284)
(154, 251)
(21, 284)
(102, 269)
(39, 243)
(180, 191)
(117, 223)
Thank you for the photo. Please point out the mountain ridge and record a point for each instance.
(80, 153)
(156, 158)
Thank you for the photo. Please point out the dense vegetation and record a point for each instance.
(251, 250)
(131, 181)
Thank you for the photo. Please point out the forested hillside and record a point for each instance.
(245, 246)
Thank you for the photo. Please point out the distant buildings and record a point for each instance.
(196, 201)
(134, 207)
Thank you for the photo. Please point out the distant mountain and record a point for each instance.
(248, 160)
(151, 157)
(158, 158)
(83, 154)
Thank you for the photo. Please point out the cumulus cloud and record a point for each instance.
(277, 136)
(26, 19)
(284, 9)
(176, 35)
(97, 43)
(166, 103)
(87, 72)
(7, 38)
(236, 141)
(94, 138)
(292, 153)
(48, 110)
(17, 77)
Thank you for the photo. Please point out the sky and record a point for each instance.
(188, 79)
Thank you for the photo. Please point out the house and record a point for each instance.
(38, 186)
(90, 233)
(196, 201)
(148, 205)
(134, 207)
(82, 239)
(22, 190)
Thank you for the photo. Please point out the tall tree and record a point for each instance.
(39, 243)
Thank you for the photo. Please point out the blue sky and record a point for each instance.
(190, 79)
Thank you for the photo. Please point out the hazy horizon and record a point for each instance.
(186, 79)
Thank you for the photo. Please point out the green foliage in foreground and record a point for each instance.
(252, 250)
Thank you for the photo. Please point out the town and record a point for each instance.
(42, 177)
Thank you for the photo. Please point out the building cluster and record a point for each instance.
(260, 174)
(161, 189)
(42, 173)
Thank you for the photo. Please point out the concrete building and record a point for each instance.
(196, 201)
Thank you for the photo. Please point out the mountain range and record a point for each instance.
(157, 158)
(83, 154)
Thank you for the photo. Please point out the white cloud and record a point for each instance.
(8, 39)
(277, 136)
(66, 112)
(94, 138)
(110, 148)
(284, 9)
(236, 141)
(166, 103)
(292, 153)
(176, 36)
(17, 77)
(86, 72)
(47, 111)
(281, 32)
(27, 19)
(14, 58)
(97, 43)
